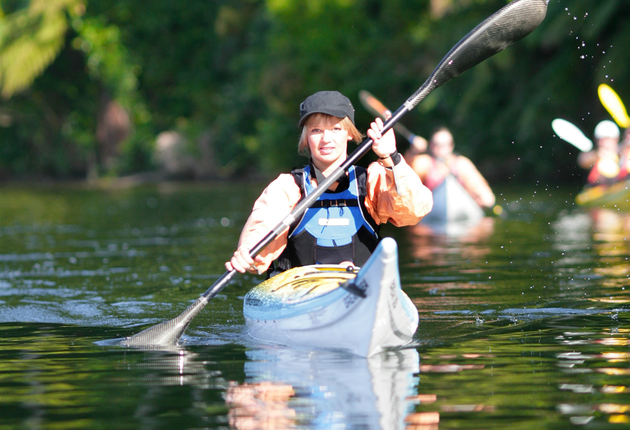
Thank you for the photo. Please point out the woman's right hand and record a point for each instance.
(242, 262)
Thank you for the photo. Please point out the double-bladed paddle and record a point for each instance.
(613, 104)
(505, 27)
(569, 132)
(375, 107)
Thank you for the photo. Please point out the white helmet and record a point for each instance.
(605, 129)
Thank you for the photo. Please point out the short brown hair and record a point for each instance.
(327, 120)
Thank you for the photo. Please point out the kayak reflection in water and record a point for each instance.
(604, 161)
(441, 161)
(302, 388)
(342, 226)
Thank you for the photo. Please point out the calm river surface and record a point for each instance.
(524, 320)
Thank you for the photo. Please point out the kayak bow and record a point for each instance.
(313, 307)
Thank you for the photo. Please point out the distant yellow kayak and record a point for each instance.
(610, 196)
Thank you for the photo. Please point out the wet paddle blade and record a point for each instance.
(613, 104)
(570, 133)
(168, 332)
(505, 27)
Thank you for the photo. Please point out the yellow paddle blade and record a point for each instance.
(613, 105)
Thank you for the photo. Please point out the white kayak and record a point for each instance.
(327, 306)
(452, 203)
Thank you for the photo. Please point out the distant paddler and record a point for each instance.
(441, 161)
(458, 165)
(603, 161)
(613, 104)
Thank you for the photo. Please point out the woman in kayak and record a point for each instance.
(341, 227)
(433, 168)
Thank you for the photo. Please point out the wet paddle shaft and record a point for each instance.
(505, 27)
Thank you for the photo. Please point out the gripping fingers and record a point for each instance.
(383, 144)
(240, 261)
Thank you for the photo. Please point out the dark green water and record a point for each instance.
(524, 320)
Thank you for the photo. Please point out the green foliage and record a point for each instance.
(238, 69)
(30, 39)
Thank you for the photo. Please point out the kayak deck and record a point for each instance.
(304, 283)
(331, 307)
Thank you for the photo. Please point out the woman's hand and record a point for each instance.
(384, 144)
(242, 262)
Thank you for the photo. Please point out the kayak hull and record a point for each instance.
(452, 203)
(309, 306)
(612, 195)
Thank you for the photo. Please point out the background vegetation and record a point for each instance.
(88, 85)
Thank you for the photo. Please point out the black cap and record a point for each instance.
(329, 102)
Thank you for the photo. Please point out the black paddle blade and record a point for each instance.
(508, 25)
(168, 332)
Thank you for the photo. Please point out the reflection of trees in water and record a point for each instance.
(165, 369)
(593, 248)
(598, 370)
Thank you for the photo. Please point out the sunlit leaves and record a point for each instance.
(30, 40)
(107, 58)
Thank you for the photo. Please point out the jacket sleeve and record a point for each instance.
(396, 195)
(275, 203)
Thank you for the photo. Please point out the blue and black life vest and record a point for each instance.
(335, 228)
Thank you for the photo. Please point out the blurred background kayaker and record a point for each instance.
(604, 160)
(342, 226)
(441, 160)
(624, 157)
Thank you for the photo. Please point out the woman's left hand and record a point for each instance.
(384, 144)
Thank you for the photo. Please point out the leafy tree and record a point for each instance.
(235, 71)
(53, 120)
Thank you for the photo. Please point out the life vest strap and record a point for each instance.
(330, 203)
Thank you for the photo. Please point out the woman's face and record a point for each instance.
(442, 144)
(327, 142)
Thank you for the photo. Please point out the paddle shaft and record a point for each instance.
(508, 25)
(306, 202)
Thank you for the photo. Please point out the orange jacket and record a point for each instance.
(394, 195)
